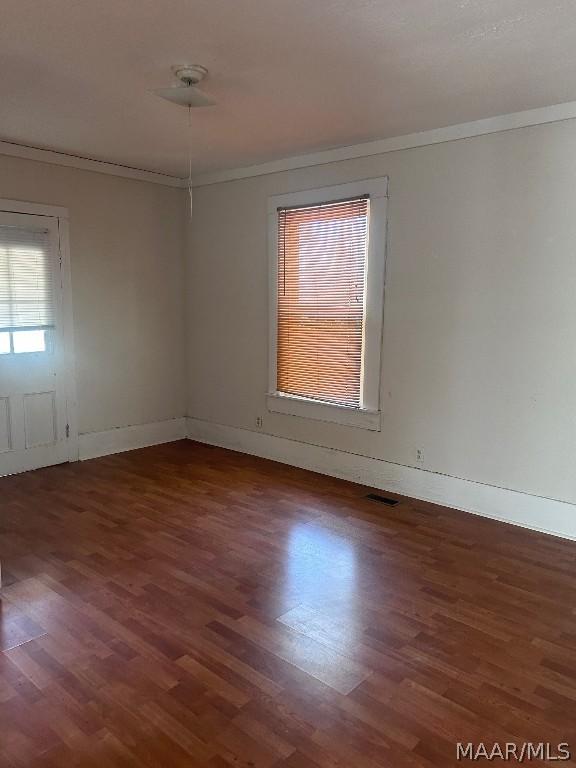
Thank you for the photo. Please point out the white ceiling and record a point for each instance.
(290, 76)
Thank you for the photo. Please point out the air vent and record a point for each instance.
(382, 499)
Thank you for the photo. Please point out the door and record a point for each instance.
(34, 428)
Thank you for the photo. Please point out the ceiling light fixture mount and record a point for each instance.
(190, 74)
(186, 93)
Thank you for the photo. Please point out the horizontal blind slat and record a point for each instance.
(26, 290)
(322, 253)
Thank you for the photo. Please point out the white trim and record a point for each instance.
(88, 164)
(373, 187)
(33, 209)
(94, 444)
(540, 116)
(551, 114)
(69, 363)
(373, 325)
(540, 514)
(34, 458)
(272, 299)
(312, 409)
(368, 415)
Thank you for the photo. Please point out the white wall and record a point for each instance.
(479, 362)
(127, 263)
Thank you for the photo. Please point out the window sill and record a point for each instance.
(312, 409)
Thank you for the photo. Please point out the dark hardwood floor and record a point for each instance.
(189, 606)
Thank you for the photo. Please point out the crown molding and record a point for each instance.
(509, 122)
(87, 164)
(541, 116)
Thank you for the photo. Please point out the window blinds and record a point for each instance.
(26, 293)
(322, 251)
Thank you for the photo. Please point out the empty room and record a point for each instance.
(287, 383)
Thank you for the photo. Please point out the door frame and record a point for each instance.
(69, 367)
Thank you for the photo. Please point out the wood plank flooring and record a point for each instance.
(189, 606)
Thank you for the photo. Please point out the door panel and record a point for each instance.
(33, 419)
(40, 419)
(5, 436)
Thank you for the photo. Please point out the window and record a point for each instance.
(327, 258)
(17, 342)
(322, 253)
(26, 292)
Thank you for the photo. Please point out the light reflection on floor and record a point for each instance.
(320, 586)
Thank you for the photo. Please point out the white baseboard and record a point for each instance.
(523, 509)
(96, 444)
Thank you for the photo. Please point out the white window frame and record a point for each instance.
(368, 415)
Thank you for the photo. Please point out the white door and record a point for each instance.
(34, 428)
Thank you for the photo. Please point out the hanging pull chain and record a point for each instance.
(190, 157)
